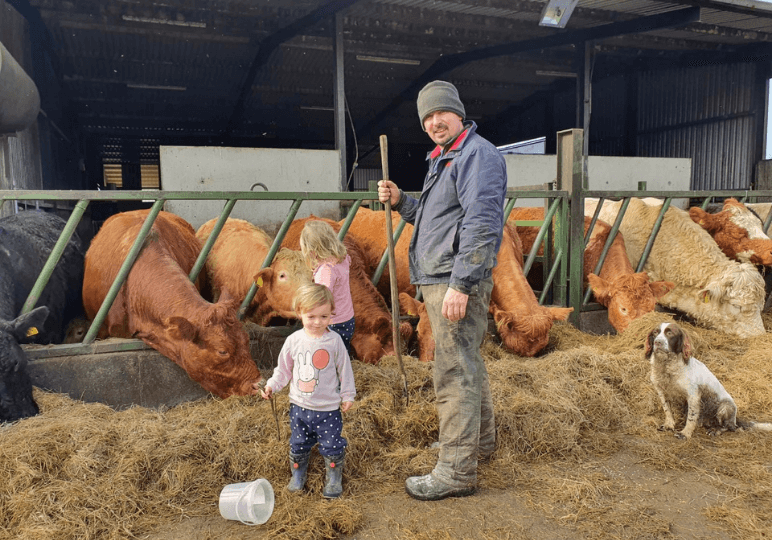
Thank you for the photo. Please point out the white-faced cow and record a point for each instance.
(716, 291)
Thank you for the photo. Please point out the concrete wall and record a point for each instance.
(185, 168)
(143, 377)
(604, 173)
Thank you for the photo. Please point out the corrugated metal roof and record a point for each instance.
(148, 67)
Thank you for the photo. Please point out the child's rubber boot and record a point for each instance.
(333, 484)
(299, 467)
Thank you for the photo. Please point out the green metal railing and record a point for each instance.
(667, 198)
(158, 198)
(555, 236)
(83, 198)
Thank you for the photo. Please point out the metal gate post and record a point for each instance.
(560, 294)
(571, 178)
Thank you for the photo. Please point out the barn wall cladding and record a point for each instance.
(22, 150)
(609, 125)
(706, 113)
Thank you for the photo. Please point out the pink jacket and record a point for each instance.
(335, 277)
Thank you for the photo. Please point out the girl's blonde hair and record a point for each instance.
(310, 296)
(319, 241)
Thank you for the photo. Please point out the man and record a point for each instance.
(458, 223)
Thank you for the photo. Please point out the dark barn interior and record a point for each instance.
(119, 78)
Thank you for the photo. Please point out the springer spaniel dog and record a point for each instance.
(684, 382)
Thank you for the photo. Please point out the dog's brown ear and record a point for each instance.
(686, 346)
(649, 344)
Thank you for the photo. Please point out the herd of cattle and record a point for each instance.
(704, 265)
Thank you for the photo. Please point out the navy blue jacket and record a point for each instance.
(459, 217)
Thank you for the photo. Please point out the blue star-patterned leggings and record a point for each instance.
(309, 427)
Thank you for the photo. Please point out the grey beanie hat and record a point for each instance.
(439, 96)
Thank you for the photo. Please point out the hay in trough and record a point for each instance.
(577, 432)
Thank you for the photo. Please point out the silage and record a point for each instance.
(85, 471)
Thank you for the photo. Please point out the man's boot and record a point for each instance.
(299, 467)
(333, 484)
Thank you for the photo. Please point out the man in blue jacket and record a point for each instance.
(458, 223)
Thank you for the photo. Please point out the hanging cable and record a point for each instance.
(356, 145)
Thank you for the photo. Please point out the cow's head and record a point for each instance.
(374, 338)
(16, 401)
(745, 218)
(415, 308)
(738, 231)
(278, 284)
(734, 301)
(628, 297)
(213, 348)
(526, 335)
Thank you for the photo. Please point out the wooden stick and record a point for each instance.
(393, 274)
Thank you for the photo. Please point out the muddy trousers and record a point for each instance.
(464, 403)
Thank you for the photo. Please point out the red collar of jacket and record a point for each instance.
(460, 139)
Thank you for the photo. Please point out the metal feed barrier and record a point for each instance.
(561, 235)
(555, 273)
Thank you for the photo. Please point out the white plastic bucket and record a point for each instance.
(248, 502)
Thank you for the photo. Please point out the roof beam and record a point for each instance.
(746, 7)
(452, 61)
(271, 43)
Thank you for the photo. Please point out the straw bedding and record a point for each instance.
(82, 470)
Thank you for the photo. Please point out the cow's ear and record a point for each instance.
(560, 313)
(499, 316)
(30, 324)
(181, 329)
(701, 217)
(705, 296)
(263, 276)
(600, 288)
(661, 288)
(408, 305)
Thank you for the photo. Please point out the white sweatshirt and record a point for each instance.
(318, 370)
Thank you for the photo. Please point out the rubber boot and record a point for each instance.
(299, 467)
(333, 484)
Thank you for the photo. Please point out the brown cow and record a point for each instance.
(369, 229)
(738, 231)
(523, 324)
(160, 305)
(508, 285)
(372, 337)
(235, 262)
(627, 295)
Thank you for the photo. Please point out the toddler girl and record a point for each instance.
(329, 262)
(315, 363)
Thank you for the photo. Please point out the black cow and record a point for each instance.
(26, 240)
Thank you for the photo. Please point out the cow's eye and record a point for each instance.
(222, 353)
